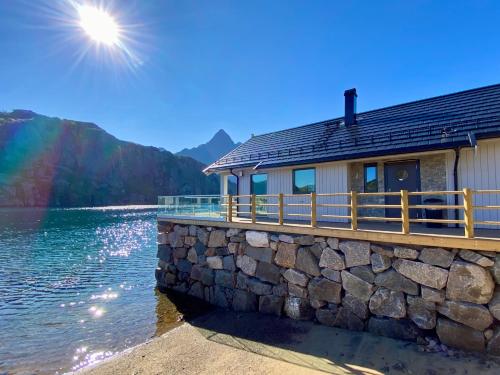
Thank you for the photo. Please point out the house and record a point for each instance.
(440, 144)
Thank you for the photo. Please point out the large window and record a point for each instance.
(232, 185)
(304, 181)
(258, 184)
(371, 178)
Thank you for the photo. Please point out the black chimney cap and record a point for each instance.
(350, 107)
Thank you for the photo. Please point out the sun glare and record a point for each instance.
(99, 25)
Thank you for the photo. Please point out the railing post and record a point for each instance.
(405, 212)
(468, 213)
(280, 208)
(354, 210)
(313, 210)
(230, 208)
(254, 208)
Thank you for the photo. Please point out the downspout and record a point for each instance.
(237, 189)
(455, 180)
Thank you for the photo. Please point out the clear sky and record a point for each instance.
(244, 66)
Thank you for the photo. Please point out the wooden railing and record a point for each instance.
(312, 206)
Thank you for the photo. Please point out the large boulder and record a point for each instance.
(403, 329)
(470, 283)
(296, 277)
(331, 259)
(357, 253)
(286, 254)
(386, 302)
(469, 314)
(268, 272)
(437, 257)
(262, 254)
(307, 262)
(421, 312)
(244, 301)
(257, 239)
(298, 308)
(324, 290)
(271, 305)
(356, 286)
(459, 336)
(217, 238)
(422, 273)
(395, 281)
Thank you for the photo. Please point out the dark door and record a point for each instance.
(402, 175)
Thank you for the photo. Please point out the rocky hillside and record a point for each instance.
(220, 144)
(52, 162)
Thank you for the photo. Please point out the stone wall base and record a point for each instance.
(394, 291)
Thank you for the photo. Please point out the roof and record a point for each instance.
(438, 123)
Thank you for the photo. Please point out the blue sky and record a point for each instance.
(244, 66)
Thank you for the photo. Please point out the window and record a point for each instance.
(371, 178)
(258, 184)
(232, 185)
(304, 181)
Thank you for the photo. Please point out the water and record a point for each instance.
(76, 286)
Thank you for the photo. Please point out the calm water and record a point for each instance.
(76, 285)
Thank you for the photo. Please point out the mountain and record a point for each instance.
(47, 161)
(220, 144)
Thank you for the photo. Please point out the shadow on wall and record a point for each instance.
(318, 347)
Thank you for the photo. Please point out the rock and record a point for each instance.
(324, 290)
(422, 273)
(389, 303)
(395, 281)
(259, 253)
(317, 304)
(402, 329)
(242, 281)
(433, 295)
(304, 240)
(405, 252)
(184, 265)
(217, 238)
(488, 334)
(331, 259)
(357, 287)
(181, 230)
(192, 256)
(225, 278)
(180, 252)
(257, 239)
(382, 250)
(333, 243)
(162, 238)
(437, 257)
(244, 301)
(246, 264)
(475, 257)
(210, 294)
(222, 251)
(316, 249)
(421, 312)
(280, 290)
(202, 235)
(203, 274)
(228, 263)
(232, 232)
(268, 272)
(494, 305)
(364, 273)
(470, 283)
(220, 299)
(164, 253)
(298, 308)
(494, 343)
(357, 253)
(496, 269)
(215, 262)
(175, 239)
(469, 314)
(296, 277)
(286, 255)
(233, 247)
(307, 262)
(459, 336)
(297, 291)
(258, 287)
(326, 317)
(347, 320)
(358, 307)
(193, 230)
(285, 238)
(331, 275)
(200, 248)
(196, 290)
(271, 305)
(380, 262)
(190, 240)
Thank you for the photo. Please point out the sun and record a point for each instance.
(99, 25)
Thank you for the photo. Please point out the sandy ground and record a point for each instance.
(232, 343)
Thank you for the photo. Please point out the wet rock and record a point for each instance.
(244, 301)
(217, 239)
(347, 320)
(459, 336)
(296, 277)
(197, 290)
(257, 239)
(382, 250)
(228, 263)
(307, 262)
(258, 287)
(180, 252)
(333, 243)
(494, 343)
(326, 317)
(175, 239)
(215, 262)
(470, 283)
(164, 253)
(331, 259)
(280, 290)
(437, 257)
(421, 312)
(268, 272)
(331, 275)
(357, 253)
(286, 238)
(475, 257)
(469, 314)
(225, 278)
(364, 273)
(286, 254)
(358, 307)
(405, 252)
(304, 240)
(298, 308)
(389, 303)
(494, 305)
(297, 291)
(422, 273)
(380, 262)
(184, 265)
(203, 274)
(246, 264)
(324, 290)
(271, 305)
(357, 287)
(402, 329)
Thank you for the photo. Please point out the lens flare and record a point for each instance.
(99, 25)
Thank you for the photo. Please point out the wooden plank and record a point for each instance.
(254, 208)
(354, 210)
(313, 210)
(280, 209)
(405, 212)
(230, 208)
(468, 213)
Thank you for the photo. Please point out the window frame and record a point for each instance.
(365, 167)
(293, 179)
(251, 181)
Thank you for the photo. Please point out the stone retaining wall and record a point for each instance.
(394, 291)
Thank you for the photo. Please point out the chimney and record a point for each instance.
(350, 107)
